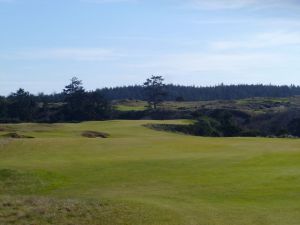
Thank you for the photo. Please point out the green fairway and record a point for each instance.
(141, 176)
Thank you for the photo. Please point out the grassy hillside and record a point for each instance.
(141, 176)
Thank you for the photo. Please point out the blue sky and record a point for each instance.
(43, 43)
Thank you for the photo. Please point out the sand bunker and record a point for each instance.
(15, 135)
(94, 134)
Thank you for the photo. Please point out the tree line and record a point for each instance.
(74, 103)
(188, 93)
(193, 93)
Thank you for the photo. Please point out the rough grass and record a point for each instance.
(49, 211)
(130, 105)
(141, 176)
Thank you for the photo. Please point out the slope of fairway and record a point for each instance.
(140, 176)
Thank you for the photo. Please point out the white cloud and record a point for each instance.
(6, 1)
(238, 4)
(264, 40)
(211, 68)
(265, 22)
(193, 62)
(222, 4)
(109, 1)
(73, 54)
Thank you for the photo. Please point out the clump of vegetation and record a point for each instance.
(94, 134)
(234, 123)
(16, 135)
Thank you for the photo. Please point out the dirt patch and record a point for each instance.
(94, 134)
(15, 135)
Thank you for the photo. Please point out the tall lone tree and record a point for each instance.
(154, 91)
(74, 98)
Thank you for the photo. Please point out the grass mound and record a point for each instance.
(94, 134)
(16, 135)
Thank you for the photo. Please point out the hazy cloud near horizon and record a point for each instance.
(238, 4)
(121, 42)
